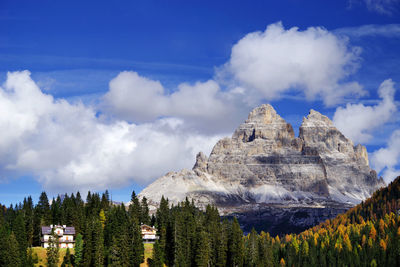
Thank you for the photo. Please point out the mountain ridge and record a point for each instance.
(264, 163)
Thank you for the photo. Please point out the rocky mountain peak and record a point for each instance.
(201, 162)
(316, 119)
(318, 132)
(264, 114)
(264, 123)
(361, 152)
(264, 163)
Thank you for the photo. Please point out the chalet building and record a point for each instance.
(149, 234)
(65, 235)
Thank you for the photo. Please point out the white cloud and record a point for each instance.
(263, 65)
(315, 61)
(387, 30)
(384, 7)
(67, 147)
(135, 97)
(386, 160)
(357, 121)
(154, 130)
(138, 99)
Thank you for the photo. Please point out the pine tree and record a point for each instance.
(66, 210)
(235, 245)
(145, 217)
(126, 253)
(88, 245)
(134, 208)
(3, 245)
(162, 214)
(78, 249)
(202, 252)
(222, 244)
(182, 245)
(43, 208)
(115, 253)
(2, 211)
(137, 244)
(98, 240)
(162, 233)
(119, 237)
(102, 218)
(78, 219)
(32, 258)
(28, 210)
(55, 209)
(9, 248)
(252, 248)
(157, 257)
(20, 235)
(105, 201)
(53, 250)
(67, 262)
(120, 254)
(13, 255)
(42, 216)
(37, 223)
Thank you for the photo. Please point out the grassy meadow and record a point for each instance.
(41, 252)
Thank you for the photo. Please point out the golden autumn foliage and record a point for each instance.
(372, 233)
(363, 240)
(381, 226)
(288, 238)
(382, 244)
(355, 237)
(347, 242)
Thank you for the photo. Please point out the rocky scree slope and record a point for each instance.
(264, 164)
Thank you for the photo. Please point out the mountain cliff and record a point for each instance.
(264, 164)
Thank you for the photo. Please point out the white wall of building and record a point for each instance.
(64, 240)
(61, 245)
(149, 237)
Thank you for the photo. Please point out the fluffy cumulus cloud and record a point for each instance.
(386, 160)
(358, 121)
(66, 146)
(314, 61)
(263, 66)
(133, 97)
(146, 130)
(202, 105)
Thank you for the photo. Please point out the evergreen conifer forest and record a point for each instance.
(109, 235)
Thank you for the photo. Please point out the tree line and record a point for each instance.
(366, 235)
(109, 234)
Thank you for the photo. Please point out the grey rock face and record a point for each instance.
(264, 163)
(280, 220)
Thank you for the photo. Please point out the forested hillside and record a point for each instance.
(366, 235)
(111, 233)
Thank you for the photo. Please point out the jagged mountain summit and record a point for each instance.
(263, 163)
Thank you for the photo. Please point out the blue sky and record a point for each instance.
(174, 52)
